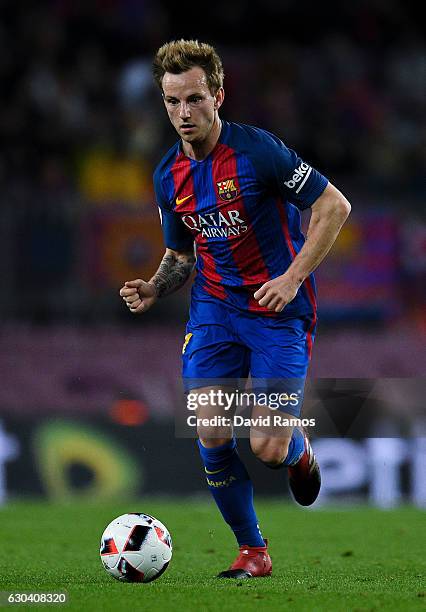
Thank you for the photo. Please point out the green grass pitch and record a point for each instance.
(350, 560)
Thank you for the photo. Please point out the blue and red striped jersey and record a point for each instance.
(241, 207)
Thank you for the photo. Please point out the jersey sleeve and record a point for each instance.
(176, 235)
(286, 173)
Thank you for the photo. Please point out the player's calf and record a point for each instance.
(232, 490)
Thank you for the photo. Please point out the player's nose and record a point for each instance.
(184, 112)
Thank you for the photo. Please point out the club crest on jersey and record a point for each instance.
(227, 190)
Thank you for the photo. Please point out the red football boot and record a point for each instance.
(252, 562)
(304, 477)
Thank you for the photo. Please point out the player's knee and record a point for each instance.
(270, 451)
(215, 435)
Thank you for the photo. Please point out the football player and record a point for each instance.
(235, 192)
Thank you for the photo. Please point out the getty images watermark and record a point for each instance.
(269, 409)
(332, 407)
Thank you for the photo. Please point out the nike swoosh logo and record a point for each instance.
(182, 200)
(215, 471)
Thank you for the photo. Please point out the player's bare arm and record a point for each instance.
(172, 274)
(329, 212)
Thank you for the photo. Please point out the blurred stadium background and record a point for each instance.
(88, 392)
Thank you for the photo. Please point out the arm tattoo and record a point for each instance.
(173, 272)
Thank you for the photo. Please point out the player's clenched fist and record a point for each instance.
(138, 295)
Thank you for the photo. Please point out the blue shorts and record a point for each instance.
(223, 342)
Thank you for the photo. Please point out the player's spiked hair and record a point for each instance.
(179, 56)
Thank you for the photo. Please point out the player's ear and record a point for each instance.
(219, 98)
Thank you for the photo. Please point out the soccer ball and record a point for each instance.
(136, 548)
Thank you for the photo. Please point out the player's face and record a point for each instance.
(191, 106)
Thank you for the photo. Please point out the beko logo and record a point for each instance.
(300, 176)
